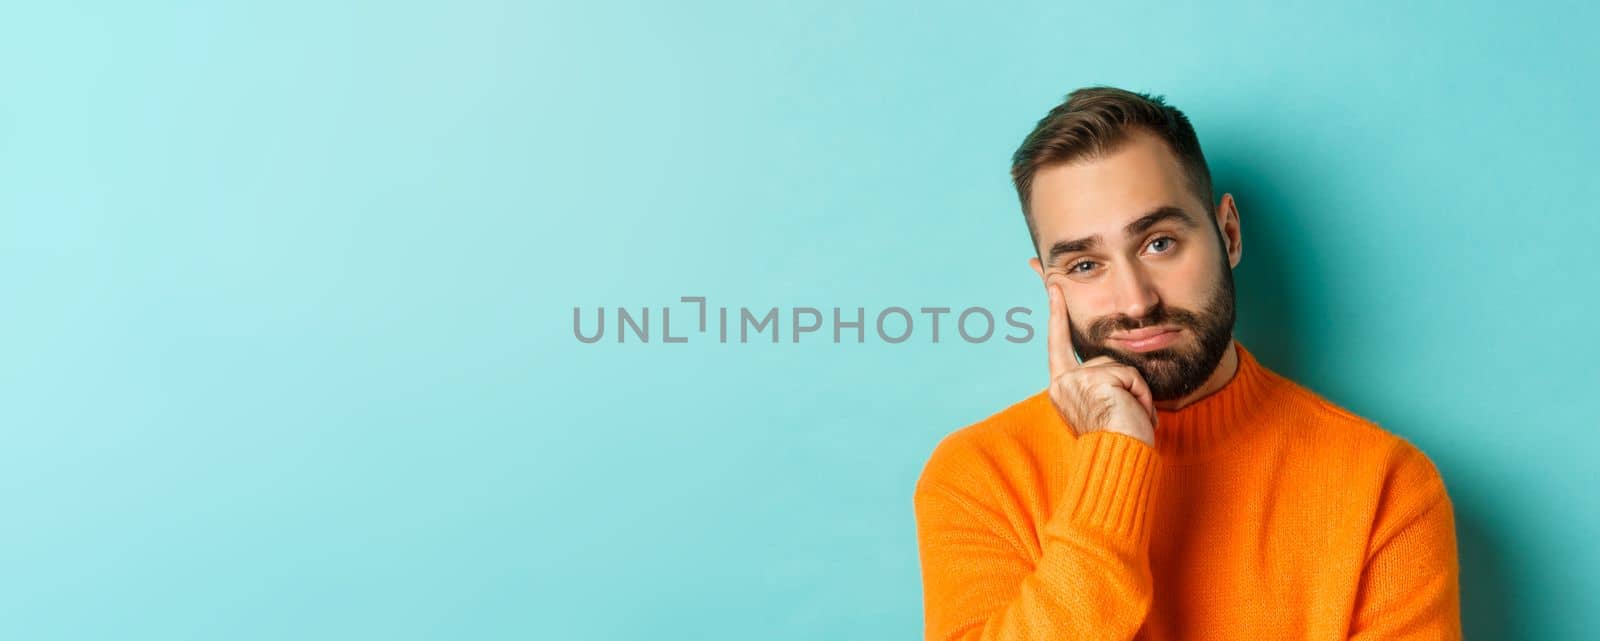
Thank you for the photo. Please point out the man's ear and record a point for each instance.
(1037, 267)
(1228, 225)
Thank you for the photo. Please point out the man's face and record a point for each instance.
(1146, 277)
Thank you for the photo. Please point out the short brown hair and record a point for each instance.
(1093, 121)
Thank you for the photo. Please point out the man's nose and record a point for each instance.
(1136, 293)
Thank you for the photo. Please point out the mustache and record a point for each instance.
(1101, 329)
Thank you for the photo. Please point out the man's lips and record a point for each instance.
(1147, 338)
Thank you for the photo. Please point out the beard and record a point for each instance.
(1176, 370)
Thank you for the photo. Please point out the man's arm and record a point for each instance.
(1410, 587)
(1092, 580)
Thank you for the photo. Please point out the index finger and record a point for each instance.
(1059, 340)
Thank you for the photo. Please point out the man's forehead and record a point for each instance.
(1099, 193)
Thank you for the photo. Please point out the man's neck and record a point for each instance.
(1219, 377)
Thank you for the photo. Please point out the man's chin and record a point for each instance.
(1156, 363)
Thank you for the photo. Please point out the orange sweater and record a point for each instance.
(1263, 512)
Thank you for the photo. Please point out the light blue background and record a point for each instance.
(288, 295)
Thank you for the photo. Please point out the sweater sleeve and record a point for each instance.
(1409, 588)
(1091, 579)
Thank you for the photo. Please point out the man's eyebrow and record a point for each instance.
(1071, 247)
(1160, 214)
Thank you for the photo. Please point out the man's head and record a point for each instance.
(1117, 197)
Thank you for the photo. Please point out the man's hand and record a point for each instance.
(1100, 394)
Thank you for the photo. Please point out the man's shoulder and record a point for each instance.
(1337, 433)
(984, 447)
(1377, 468)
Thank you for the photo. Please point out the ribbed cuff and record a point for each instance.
(1112, 484)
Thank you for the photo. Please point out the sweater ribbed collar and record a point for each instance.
(1209, 423)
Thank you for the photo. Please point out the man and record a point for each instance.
(1168, 486)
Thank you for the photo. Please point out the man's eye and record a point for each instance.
(1073, 268)
(1169, 240)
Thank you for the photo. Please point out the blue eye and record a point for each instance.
(1073, 268)
(1169, 240)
